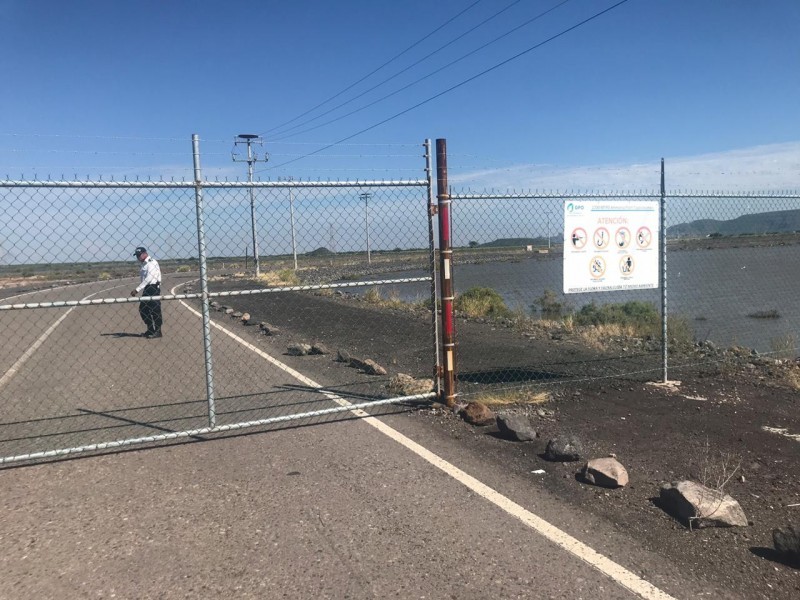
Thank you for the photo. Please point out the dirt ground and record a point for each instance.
(711, 427)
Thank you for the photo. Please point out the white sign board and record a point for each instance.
(610, 246)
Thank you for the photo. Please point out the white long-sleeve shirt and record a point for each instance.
(150, 273)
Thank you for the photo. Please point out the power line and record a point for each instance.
(94, 137)
(98, 152)
(388, 79)
(462, 83)
(351, 86)
(183, 140)
(431, 74)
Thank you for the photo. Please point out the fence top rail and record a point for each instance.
(735, 195)
(211, 184)
(551, 195)
(622, 195)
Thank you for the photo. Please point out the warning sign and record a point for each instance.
(610, 246)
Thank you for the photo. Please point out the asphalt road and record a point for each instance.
(347, 507)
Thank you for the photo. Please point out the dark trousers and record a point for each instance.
(150, 310)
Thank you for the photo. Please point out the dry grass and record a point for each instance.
(7, 282)
(510, 397)
(279, 278)
(792, 377)
(597, 336)
(784, 346)
(375, 296)
(325, 292)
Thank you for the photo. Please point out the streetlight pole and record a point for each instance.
(250, 139)
(366, 196)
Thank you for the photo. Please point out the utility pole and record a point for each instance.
(365, 196)
(250, 139)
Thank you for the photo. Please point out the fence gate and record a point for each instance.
(267, 289)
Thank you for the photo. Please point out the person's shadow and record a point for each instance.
(121, 334)
(775, 556)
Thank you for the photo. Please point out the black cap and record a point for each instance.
(138, 251)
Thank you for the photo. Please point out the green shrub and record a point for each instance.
(481, 302)
(183, 269)
(638, 314)
(104, 276)
(680, 332)
(550, 307)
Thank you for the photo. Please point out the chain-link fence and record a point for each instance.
(296, 300)
(257, 330)
(730, 273)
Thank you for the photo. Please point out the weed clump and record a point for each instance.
(784, 347)
(636, 314)
(279, 278)
(481, 302)
(550, 307)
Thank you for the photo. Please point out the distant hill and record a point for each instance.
(323, 251)
(782, 221)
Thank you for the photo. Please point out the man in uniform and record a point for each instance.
(149, 310)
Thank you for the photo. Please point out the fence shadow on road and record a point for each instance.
(344, 417)
(88, 426)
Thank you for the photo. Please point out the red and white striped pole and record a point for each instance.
(446, 277)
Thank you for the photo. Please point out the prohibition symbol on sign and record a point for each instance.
(597, 267)
(626, 265)
(578, 238)
(601, 238)
(643, 237)
(623, 237)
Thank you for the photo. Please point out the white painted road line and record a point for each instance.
(38, 343)
(608, 567)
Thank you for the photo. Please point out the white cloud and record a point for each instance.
(761, 168)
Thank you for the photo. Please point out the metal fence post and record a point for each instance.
(434, 283)
(663, 269)
(201, 247)
(446, 276)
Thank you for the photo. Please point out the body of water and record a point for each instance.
(715, 289)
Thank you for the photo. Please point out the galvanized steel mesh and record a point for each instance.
(730, 290)
(76, 375)
(75, 372)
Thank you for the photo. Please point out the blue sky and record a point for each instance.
(117, 88)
